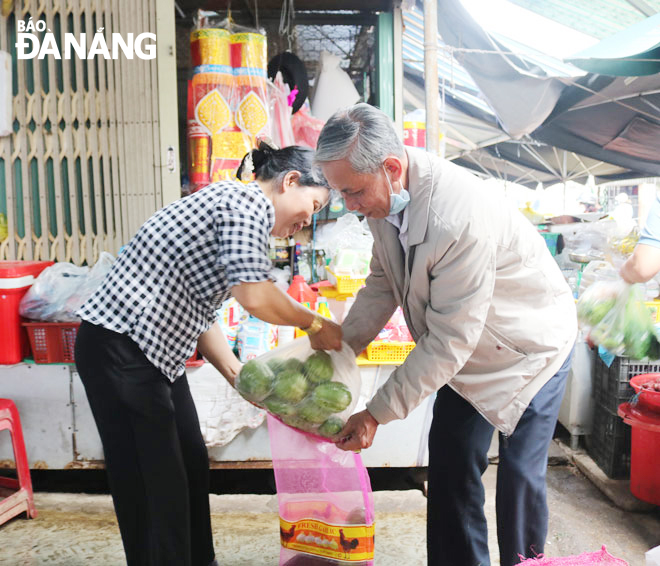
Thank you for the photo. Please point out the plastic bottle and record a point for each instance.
(323, 309)
(302, 292)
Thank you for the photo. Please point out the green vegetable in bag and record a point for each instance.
(291, 386)
(276, 364)
(293, 364)
(279, 407)
(255, 381)
(312, 413)
(318, 367)
(332, 396)
(597, 301)
(331, 426)
(637, 332)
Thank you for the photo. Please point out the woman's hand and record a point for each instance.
(214, 347)
(328, 337)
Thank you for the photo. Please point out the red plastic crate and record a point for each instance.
(52, 342)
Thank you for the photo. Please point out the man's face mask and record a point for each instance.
(397, 201)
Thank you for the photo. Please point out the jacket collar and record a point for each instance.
(420, 179)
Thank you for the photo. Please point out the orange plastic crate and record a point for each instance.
(389, 351)
(52, 342)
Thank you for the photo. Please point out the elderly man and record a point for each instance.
(494, 324)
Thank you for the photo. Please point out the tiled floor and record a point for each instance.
(76, 530)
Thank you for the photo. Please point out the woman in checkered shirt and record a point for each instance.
(155, 307)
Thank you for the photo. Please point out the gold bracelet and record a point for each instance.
(316, 325)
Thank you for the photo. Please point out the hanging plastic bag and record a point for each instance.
(306, 128)
(597, 300)
(313, 391)
(325, 501)
(627, 329)
(61, 289)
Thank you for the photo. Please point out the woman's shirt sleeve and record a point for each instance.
(246, 218)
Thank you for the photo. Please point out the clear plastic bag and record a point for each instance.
(312, 391)
(325, 501)
(61, 289)
(628, 329)
(597, 300)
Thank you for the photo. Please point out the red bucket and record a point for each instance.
(647, 398)
(644, 453)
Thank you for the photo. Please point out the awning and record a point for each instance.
(634, 51)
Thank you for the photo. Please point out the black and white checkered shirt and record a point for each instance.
(165, 286)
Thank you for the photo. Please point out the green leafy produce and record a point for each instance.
(592, 312)
(331, 426)
(638, 330)
(279, 407)
(291, 386)
(332, 396)
(312, 413)
(255, 381)
(318, 367)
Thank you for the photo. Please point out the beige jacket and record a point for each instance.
(485, 301)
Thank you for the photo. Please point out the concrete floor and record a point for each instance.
(77, 529)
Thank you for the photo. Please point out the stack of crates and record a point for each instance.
(609, 441)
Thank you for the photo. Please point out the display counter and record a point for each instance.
(60, 432)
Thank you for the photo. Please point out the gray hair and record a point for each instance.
(363, 133)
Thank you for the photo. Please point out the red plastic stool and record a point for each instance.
(22, 499)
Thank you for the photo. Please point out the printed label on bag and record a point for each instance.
(353, 543)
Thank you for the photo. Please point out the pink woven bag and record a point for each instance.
(600, 558)
(325, 500)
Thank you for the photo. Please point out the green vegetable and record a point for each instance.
(276, 364)
(312, 413)
(293, 364)
(592, 312)
(291, 386)
(296, 422)
(332, 396)
(331, 426)
(279, 407)
(255, 381)
(638, 329)
(318, 367)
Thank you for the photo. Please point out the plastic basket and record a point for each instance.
(52, 342)
(609, 443)
(611, 385)
(344, 283)
(389, 351)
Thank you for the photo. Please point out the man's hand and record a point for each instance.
(328, 338)
(358, 433)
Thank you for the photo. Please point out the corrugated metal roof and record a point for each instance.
(598, 18)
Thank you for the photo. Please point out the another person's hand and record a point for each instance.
(328, 337)
(358, 433)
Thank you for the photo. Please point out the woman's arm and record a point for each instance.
(642, 265)
(214, 347)
(267, 302)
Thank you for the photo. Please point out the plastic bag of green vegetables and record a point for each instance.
(597, 300)
(628, 329)
(313, 391)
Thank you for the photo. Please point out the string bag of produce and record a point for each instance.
(325, 500)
